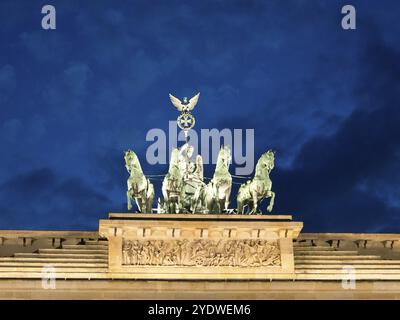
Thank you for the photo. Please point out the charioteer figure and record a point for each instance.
(192, 177)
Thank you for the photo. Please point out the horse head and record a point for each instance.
(270, 162)
(224, 157)
(132, 161)
(266, 163)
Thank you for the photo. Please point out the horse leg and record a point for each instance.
(200, 203)
(207, 205)
(221, 203)
(144, 205)
(239, 207)
(175, 207)
(211, 206)
(203, 201)
(254, 198)
(139, 204)
(195, 201)
(170, 206)
(271, 202)
(226, 204)
(247, 208)
(227, 195)
(172, 203)
(165, 197)
(167, 205)
(217, 207)
(193, 206)
(128, 198)
(149, 204)
(149, 197)
(197, 204)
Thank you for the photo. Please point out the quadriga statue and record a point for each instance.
(139, 187)
(254, 191)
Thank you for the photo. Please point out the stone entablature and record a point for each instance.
(171, 246)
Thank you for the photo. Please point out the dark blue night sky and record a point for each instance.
(73, 99)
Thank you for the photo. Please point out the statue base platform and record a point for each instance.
(199, 246)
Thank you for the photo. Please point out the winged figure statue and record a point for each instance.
(185, 105)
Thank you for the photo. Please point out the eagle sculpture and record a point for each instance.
(186, 105)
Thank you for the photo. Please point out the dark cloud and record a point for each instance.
(41, 199)
(324, 185)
